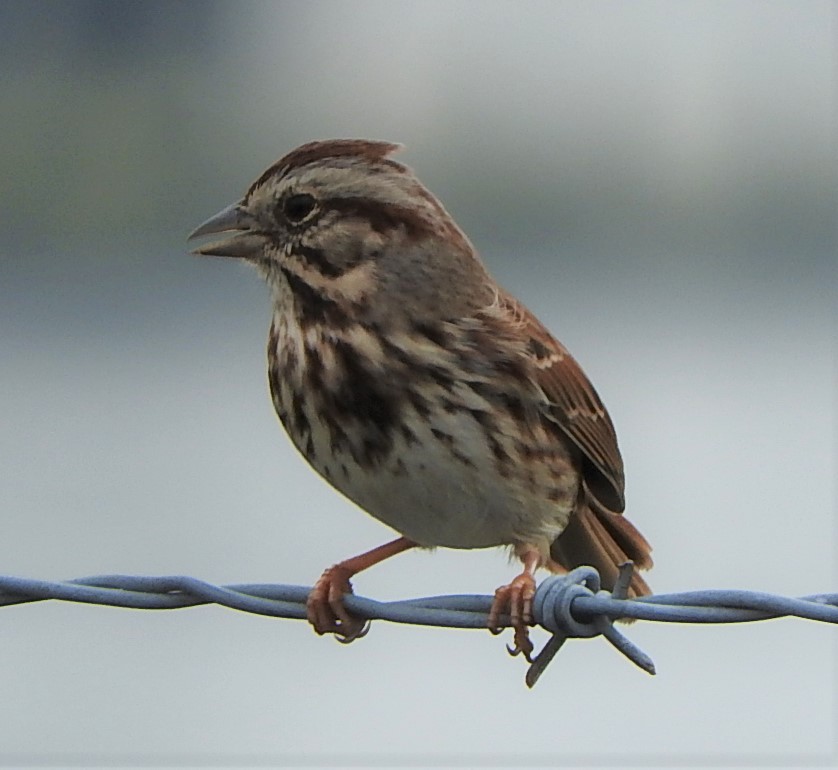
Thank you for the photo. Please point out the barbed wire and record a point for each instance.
(568, 606)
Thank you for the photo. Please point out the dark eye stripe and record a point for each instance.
(381, 216)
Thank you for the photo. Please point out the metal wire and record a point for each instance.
(569, 606)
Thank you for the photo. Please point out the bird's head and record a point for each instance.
(343, 219)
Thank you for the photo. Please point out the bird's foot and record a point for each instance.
(516, 600)
(325, 610)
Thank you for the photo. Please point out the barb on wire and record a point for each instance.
(568, 606)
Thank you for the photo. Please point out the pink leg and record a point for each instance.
(324, 606)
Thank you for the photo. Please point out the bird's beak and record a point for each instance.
(245, 243)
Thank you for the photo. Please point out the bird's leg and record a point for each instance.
(516, 599)
(324, 606)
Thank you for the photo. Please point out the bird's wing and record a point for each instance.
(572, 404)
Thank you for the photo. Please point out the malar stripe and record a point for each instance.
(316, 258)
(313, 306)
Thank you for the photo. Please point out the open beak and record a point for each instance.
(243, 243)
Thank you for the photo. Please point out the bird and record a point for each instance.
(418, 387)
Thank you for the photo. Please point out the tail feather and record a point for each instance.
(603, 539)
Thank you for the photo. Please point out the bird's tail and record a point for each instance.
(603, 539)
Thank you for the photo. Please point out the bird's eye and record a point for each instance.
(297, 207)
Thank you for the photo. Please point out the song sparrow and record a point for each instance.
(418, 387)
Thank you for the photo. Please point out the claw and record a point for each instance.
(325, 609)
(523, 645)
(516, 600)
(516, 651)
(351, 637)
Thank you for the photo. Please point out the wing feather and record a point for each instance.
(573, 405)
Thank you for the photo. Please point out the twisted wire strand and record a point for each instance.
(568, 606)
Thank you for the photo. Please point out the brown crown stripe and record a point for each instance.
(313, 152)
(317, 152)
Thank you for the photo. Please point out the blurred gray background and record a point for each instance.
(656, 181)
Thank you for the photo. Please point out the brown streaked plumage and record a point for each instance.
(419, 388)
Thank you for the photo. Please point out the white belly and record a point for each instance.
(450, 492)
